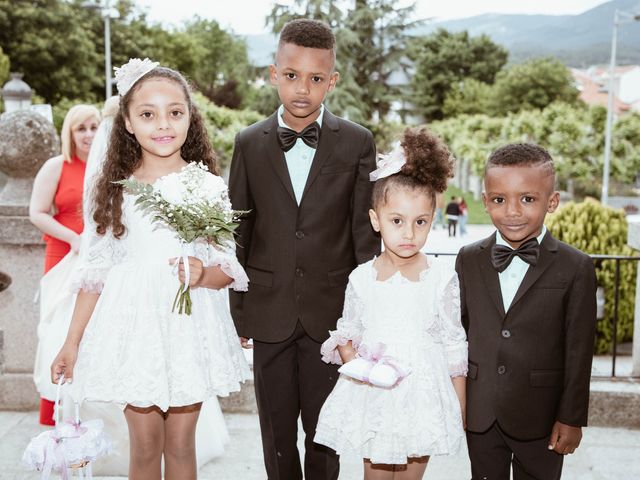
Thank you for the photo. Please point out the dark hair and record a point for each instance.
(308, 33)
(124, 154)
(520, 154)
(429, 165)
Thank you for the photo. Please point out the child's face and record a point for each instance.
(518, 198)
(403, 221)
(82, 135)
(159, 118)
(303, 77)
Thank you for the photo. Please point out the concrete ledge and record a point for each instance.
(615, 403)
(18, 392)
(243, 401)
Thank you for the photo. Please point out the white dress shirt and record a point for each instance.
(512, 276)
(299, 158)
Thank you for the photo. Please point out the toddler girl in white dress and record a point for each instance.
(125, 345)
(401, 309)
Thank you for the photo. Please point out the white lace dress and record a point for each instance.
(134, 350)
(419, 322)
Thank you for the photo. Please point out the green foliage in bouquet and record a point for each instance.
(190, 222)
(596, 229)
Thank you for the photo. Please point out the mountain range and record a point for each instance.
(577, 40)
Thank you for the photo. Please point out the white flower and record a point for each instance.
(171, 188)
(212, 187)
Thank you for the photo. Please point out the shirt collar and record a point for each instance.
(502, 241)
(281, 120)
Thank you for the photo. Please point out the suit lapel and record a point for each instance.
(490, 275)
(276, 155)
(328, 141)
(547, 255)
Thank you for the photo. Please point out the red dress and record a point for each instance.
(68, 205)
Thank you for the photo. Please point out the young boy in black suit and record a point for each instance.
(529, 307)
(303, 174)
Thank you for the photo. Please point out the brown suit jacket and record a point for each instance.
(531, 365)
(298, 258)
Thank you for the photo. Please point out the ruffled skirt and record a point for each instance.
(135, 351)
(418, 417)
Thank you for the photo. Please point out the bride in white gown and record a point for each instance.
(56, 308)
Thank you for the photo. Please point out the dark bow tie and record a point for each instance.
(287, 138)
(501, 255)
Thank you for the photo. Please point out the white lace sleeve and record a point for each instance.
(450, 327)
(224, 256)
(349, 327)
(98, 253)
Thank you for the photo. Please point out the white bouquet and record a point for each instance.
(193, 202)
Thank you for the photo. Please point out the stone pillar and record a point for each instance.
(633, 239)
(27, 140)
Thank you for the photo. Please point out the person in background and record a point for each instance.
(452, 212)
(464, 215)
(56, 201)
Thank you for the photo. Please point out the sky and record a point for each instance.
(247, 17)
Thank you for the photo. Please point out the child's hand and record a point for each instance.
(196, 270)
(64, 362)
(564, 438)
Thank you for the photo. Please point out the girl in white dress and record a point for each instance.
(401, 309)
(124, 344)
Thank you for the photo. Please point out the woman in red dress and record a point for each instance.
(56, 201)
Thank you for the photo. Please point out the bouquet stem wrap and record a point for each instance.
(182, 300)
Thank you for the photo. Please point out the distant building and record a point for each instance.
(593, 84)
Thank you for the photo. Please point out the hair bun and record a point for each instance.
(428, 158)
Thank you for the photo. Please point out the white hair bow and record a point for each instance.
(389, 164)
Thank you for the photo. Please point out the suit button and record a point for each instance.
(505, 333)
(299, 234)
(502, 370)
(299, 272)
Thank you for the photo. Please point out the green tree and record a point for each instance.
(533, 84)
(443, 60)
(47, 41)
(470, 96)
(4, 67)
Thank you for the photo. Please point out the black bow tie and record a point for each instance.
(287, 138)
(502, 255)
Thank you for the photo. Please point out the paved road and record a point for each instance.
(605, 454)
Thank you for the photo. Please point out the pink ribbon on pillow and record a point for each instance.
(375, 355)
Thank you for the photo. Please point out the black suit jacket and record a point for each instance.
(531, 365)
(298, 258)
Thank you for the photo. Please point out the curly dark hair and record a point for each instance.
(124, 154)
(429, 165)
(308, 33)
(520, 154)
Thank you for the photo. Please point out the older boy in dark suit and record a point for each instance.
(529, 308)
(303, 174)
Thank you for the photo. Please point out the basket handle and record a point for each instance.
(57, 404)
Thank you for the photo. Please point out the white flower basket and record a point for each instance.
(68, 448)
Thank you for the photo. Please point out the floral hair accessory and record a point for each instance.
(389, 164)
(129, 73)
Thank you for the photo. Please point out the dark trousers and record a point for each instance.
(292, 380)
(493, 452)
(452, 227)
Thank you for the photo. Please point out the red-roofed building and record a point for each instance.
(593, 84)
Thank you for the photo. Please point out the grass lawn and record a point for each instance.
(476, 208)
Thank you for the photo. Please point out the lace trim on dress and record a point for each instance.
(97, 255)
(224, 256)
(349, 328)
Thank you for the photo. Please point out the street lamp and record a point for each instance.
(618, 18)
(107, 14)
